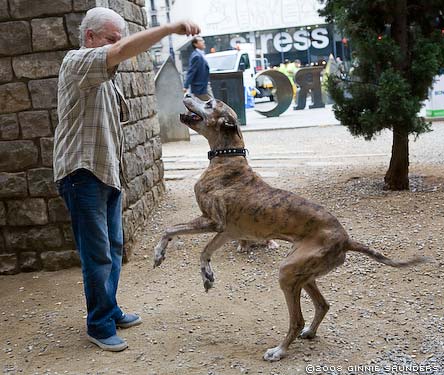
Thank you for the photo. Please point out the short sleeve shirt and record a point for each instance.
(90, 109)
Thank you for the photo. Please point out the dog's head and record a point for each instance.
(213, 119)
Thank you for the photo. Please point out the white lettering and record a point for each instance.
(237, 40)
(264, 39)
(320, 38)
(282, 42)
(302, 40)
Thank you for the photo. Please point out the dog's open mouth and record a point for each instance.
(190, 118)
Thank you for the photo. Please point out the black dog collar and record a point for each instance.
(227, 152)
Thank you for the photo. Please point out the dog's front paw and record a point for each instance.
(307, 333)
(275, 354)
(207, 278)
(159, 256)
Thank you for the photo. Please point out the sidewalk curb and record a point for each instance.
(245, 128)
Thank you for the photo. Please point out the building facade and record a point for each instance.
(279, 29)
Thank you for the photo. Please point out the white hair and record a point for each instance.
(96, 18)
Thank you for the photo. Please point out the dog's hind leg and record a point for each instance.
(292, 294)
(205, 257)
(321, 309)
(292, 277)
(199, 225)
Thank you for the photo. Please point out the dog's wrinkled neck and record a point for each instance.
(227, 138)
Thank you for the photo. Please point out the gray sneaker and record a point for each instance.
(129, 320)
(112, 343)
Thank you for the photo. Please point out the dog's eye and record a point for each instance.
(209, 104)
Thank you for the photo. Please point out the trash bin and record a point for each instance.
(229, 87)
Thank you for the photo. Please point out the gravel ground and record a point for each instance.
(381, 320)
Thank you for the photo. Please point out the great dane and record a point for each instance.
(236, 203)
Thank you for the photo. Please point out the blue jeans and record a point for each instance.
(96, 215)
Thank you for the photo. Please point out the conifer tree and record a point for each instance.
(399, 49)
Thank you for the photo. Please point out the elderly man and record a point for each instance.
(88, 148)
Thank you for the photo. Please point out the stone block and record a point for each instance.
(48, 34)
(121, 7)
(136, 190)
(148, 203)
(57, 260)
(157, 148)
(147, 156)
(144, 62)
(35, 124)
(135, 135)
(156, 174)
(73, 21)
(41, 182)
(14, 97)
(148, 179)
(47, 151)
(8, 264)
(127, 65)
(161, 168)
(137, 209)
(68, 235)
(128, 224)
(9, 127)
(29, 262)
(5, 69)
(58, 211)
(124, 82)
(15, 38)
(32, 239)
(83, 5)
(2, 222)
(134, 28)
(54, 119)
(37, 8)
(149, 83)
(135, 13)
(43, 93)
(13, 185)
(4, 12)
(17, 155)
(38, 65)
(102, 3)
(155, 126)
(132, 164)
(26, 212)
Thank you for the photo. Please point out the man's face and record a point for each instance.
(200, 44)
(109, 34)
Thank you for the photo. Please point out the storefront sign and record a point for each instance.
(285, 41)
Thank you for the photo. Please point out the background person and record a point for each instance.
(88, 146)
(198, 74)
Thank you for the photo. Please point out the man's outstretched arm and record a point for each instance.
(140, 42)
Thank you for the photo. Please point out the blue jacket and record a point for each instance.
(198, 73)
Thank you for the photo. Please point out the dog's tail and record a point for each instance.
(361, 248)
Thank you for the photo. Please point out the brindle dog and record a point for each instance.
(237, 204)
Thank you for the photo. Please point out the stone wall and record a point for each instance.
(35, 232)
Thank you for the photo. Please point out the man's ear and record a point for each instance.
(89, 36)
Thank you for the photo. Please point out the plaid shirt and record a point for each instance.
(90, 109)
